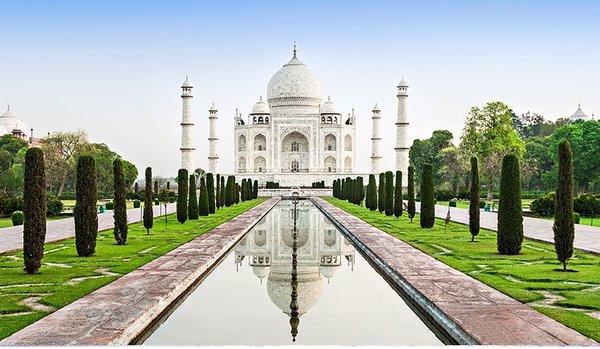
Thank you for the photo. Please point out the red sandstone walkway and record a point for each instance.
(587, 238)
(11, 238)
(489, 316)
(116, 313)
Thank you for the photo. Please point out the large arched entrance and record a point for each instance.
(294, 153)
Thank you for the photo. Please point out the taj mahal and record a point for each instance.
(297, 136)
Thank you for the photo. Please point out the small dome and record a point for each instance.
(328, 271)
(260, 108)
(186, 83)
(10, 122)
(403, 83)
(279, 288)
(260, 271)
(329, 108)
(294, 85)
(579, 115)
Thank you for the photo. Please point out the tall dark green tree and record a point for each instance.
(120, 211)
(210, 190)
(335, 188)
(203, 200)
(86, 217)
(136, 190)
(361, 190)
(474, 200)
(223, 192)
(371, 201)
(564, 228)
(427, 216)
(231, 191)
(192, 199)
(243, 189)
(182, 195)
(237, 193)
(389, 193)
(218, 192)
(34, 210)
(148, 195)
(398, 195)
(381, 193)
(255, 190)
(411, 209)
(510, 214)
(155, 188)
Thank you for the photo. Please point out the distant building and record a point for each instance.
(579, 115)
(11, 124)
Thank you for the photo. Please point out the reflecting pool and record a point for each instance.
(294, 277)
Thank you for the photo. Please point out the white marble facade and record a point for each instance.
(295, 137)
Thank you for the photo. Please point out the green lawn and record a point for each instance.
(65, 277)
(529, 277)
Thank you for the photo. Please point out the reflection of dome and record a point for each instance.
(310, 287)
(243, 241)
(294, 85)
(260, 238)
(330, 237)
(261, 272)
(260, 108)
(328, 271)
(288, 239)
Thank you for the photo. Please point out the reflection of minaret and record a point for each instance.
(294, 314)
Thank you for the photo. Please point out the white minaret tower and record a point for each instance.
(402, 129)
(213, 157)
(187, 128)
(375, 139)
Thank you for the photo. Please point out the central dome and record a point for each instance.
(294, 85)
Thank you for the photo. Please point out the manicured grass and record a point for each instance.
(526, 277)
(65, 277)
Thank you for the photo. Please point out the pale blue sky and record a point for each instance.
(113, 68)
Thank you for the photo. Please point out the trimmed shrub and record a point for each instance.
(398, 203)
(218, 192)
(474, 203)
(203, 199)
(110, 205)
(482, 204)
(576, 218)
(182, 195)
(544, 205)
(231, 191)
(120, 203)
(136, 204)
(86, 216)
(427, 214)
(389, 193)
(17, 218)
(54, 206)
(510, 214)
(564, 228)
(210, 192)
(587, 205)
(411, 209)
(381, 193)
(34, 210)
(148, 212)
(192, 198)
(136, 190)
(371, 200)
(255, 190)
(360, 190)
(452, 203)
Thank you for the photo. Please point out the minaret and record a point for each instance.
(402, 129)
(187, 128)
(213, 157)
(375, 139)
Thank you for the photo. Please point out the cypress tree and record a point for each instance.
(255, 190)
(398, 195)
(243, 189)
(86, 216)
(381, 193)
(210, 190)
(361, 190)
(474, 200)
(564, 228)
(34, 210)
(237, 193)
(371, 193)
(182, 195)
(148, 212)
(218, 192)
(335, 188)
(427, 216)
(136, 190)
(411, 209)
(120, 211)
(224, 192)
(342, 188)
(230, 189)
(156, 188)
(192, 198)
(389, 193)
(510, 214)
(203, 200)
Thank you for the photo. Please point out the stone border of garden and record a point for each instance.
(467, 309)
(121, 311)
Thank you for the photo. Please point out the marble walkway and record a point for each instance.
(11, 238)
(118, 312)
(587, 238)
(487, 315)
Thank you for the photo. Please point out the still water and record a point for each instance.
(294, 277)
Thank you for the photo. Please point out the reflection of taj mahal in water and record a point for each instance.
(321, 250)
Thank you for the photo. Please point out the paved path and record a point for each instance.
(118, 312)
(586, 237)
(11, 238)
(487, 315)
